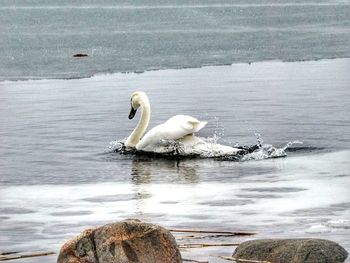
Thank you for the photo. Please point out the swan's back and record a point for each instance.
(175, 128)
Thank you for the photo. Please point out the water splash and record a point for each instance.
(259, 139)
(268, 151)
(219, 130)
(116, 146)
(209, 148)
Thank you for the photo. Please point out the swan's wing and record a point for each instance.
(175, 128)
(187, 124)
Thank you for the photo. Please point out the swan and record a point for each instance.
(178, 129)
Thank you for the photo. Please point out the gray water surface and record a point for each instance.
(39, 38)
(58, 176)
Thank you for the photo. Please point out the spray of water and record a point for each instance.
(267, 151)
(211, 149)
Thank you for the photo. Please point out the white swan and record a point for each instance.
(178, 129)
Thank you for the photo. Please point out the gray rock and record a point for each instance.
(292, 251)
(128, 241)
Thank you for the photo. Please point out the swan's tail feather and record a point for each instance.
(199, 125)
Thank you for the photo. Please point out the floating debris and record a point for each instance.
(5, 256)
(80, 55)
(200, 245)
(238, 233)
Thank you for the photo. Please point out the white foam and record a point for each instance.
(318, 228)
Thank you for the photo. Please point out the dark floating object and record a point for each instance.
(80, 55)
(235, 233)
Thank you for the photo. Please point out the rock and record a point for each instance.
(128, 241)
(292, 251)
(80, 55)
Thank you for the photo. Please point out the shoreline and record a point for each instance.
(137, 72)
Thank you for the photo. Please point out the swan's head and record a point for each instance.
(138, 98)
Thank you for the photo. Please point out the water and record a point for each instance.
(39, 38)
(58, 176)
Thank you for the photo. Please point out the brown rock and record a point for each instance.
(306, 250)
(128, 241)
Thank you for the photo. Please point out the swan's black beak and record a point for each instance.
(132, 113)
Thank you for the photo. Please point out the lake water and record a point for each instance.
(58, 175)
(39, 38)
(60, 117)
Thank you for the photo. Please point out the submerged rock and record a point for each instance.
(128, 241)
(292, 251)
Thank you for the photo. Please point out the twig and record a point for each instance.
(243, 260)
(211, 232)
(209, 236)
(8, 253)
(4, 258)
(199, 245)
(193, 260)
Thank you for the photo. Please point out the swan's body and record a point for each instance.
(177, 130)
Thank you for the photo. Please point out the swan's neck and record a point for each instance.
(141, 127)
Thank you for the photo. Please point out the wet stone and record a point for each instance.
(126, 241)
(291, 251)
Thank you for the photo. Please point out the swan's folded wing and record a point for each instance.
(175, 128)
(187, 124)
